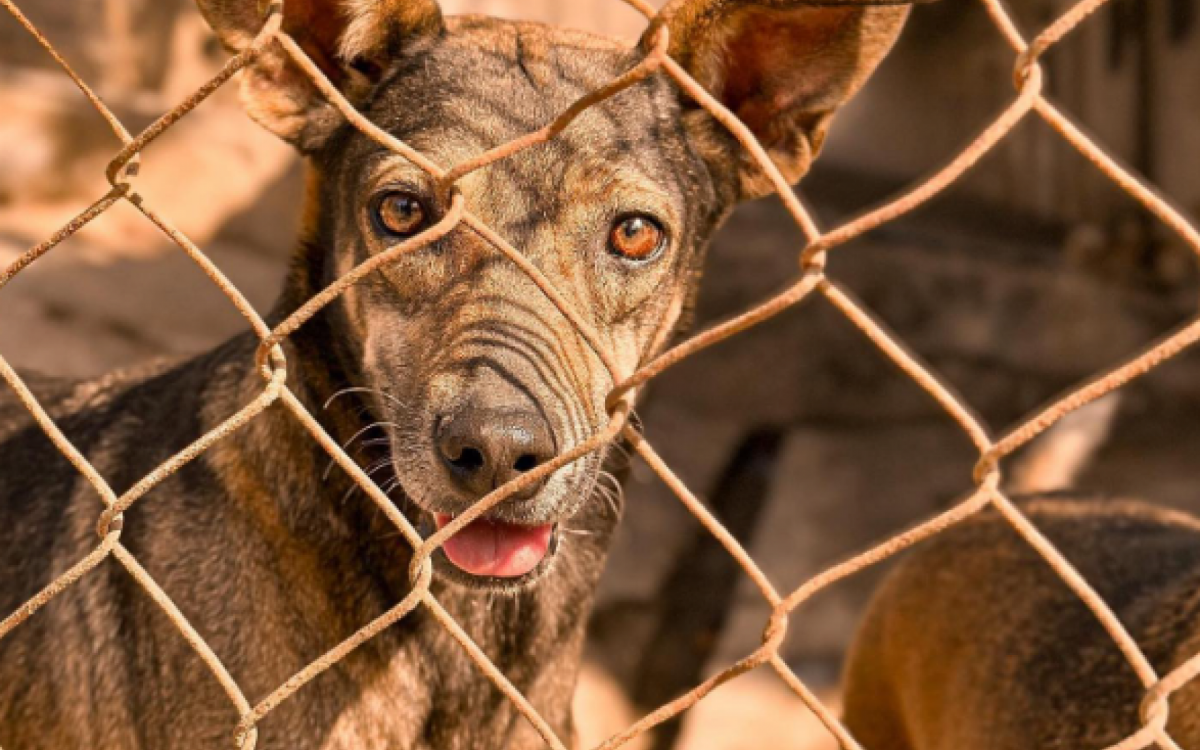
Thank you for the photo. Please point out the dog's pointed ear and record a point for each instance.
(782, 66)
(351, 41)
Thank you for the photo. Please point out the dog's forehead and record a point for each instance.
(489, 81)
(535, 57)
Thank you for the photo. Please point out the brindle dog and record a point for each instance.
(449, 372)
(975, 643)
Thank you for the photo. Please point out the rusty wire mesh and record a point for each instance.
(812, 281)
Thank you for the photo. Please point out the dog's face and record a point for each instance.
(474, 372)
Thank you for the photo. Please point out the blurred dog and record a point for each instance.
(974, 642)
(448, 371)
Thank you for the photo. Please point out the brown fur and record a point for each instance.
(273, 559)
(974, 642)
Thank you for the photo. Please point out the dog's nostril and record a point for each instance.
(527, 462)
(483, 449)
(468, 460)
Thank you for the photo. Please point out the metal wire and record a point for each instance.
(812, 281)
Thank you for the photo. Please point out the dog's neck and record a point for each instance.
(354, 563)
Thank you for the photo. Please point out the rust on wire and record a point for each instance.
(811, 283)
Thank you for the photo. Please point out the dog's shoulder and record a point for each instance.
(1137, 556)
(134, 413)
(66, 399)
(978, 605)
(1095, 534)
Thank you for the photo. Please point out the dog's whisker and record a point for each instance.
(346, 446)
(609, 488)
(349, 493)
(360, 389)
(616, 449)
(378, 466)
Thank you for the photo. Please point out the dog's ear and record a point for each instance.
(782, 66)
(351, 41)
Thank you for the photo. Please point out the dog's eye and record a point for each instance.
(399, 214)
(637, 237)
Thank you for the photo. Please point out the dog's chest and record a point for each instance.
(391, 712)
(416, 703)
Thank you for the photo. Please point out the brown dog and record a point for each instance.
(453, 366)
(974, 643)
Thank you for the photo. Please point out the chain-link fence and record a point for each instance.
(812, 282)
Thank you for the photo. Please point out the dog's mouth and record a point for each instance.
(504, 550)
(489, 548)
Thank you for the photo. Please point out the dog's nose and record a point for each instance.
(484, 448)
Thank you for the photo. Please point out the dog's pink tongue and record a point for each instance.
(491, 548)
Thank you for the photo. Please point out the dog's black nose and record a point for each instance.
(485, 448)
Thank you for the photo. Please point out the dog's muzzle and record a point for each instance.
(482, 445)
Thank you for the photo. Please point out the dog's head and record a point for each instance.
(475, 373)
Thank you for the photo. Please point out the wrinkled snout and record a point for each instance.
(507, 391)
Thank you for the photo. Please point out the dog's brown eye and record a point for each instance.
(399, 214)
(637, 238)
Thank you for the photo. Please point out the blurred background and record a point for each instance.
(1030, 275)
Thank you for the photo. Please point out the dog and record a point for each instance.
(974, 642)
(447, 372)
